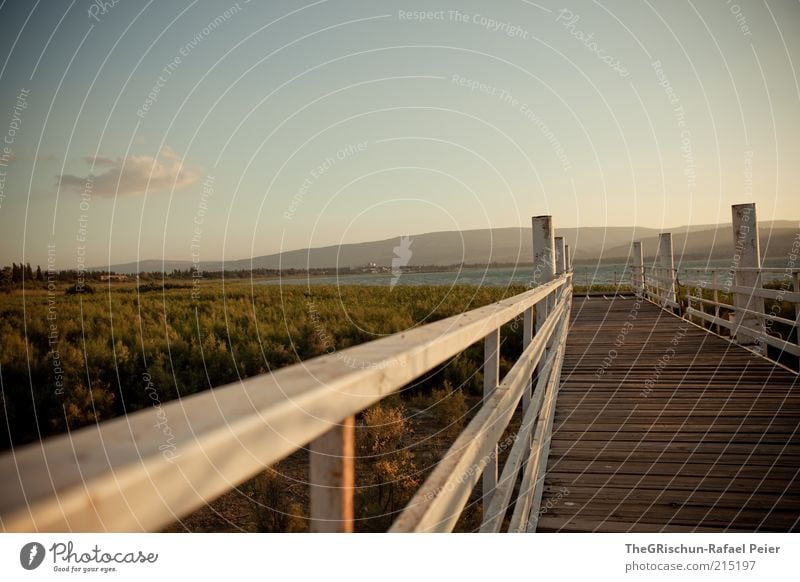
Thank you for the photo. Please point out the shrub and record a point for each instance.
(385, 426)
(273, 510)
(391, 477)
(449, 409)
(83, 406)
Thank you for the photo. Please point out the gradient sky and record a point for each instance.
(479, 116)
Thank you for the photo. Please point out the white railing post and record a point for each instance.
(665, 264)
(561, 261)
(543, 262)
(747, 254)
(560, 264)
(332, 479)
(637, 273)
(544, 249)
(491, 376)
(567, 259)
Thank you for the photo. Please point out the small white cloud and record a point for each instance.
(133, 174)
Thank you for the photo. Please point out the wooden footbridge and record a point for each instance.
(679, 430)
(633, 416)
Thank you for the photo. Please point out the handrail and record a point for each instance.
(114, 476)
(438, 503)
(764, 293)
(494, 514)
(752, 322)
(792, 270)
(658, 289)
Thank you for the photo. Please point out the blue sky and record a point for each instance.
(282, 125)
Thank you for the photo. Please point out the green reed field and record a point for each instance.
(68, 360)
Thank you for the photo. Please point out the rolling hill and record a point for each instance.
(500, 245)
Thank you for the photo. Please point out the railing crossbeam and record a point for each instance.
(438, 503)
(520, 450)
(528, 501)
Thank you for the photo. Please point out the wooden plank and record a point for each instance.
(711, 516)
(552, 524)
(713, 445)
(332, 479)
(777, 486)
(661, 467)
(675, 497)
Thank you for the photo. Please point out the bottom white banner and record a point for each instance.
(399, 557)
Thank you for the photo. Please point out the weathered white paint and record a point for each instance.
(527, 335)
(782, 345)
(665, 268)
(437, 505)
(773, 294)
(567, 258)
(637, 274)
(717, 305)
(537, 461)
(546, 435)
(332, 479)
(561, 261)
(544, 249)
(520, 451)
(491, 373)
(747, 254)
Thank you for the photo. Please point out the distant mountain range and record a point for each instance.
(501, 245)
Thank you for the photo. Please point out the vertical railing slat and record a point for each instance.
(637, 273)
(491, 373)
(332, 479)
(527, 336)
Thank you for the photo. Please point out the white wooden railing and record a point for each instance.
(660, 286)
(749, 319)
(114, 476)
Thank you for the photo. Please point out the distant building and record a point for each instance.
(113, 277)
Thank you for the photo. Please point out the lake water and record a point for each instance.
(502, 277)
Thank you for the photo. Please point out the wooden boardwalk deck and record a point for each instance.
(681, 431)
